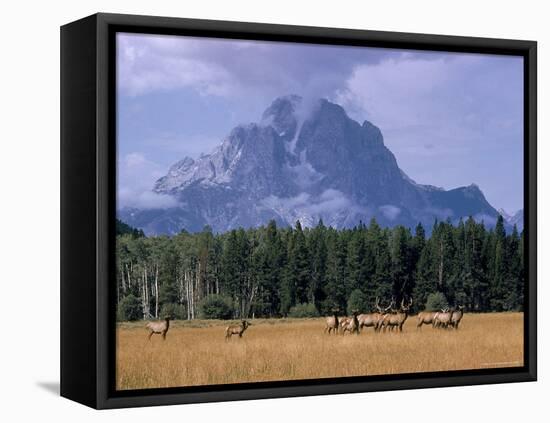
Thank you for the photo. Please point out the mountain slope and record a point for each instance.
(302, 161)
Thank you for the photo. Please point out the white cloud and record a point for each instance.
(441, 214)
(330, 201)
(304, 205)
(224, 67)
(134, 160)
(135, 177)
(402, 91)
(160, 64)
(145, 200)
(390, 212)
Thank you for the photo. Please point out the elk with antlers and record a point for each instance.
(332, 322)
(236, 330)
(373, 319)
(397, 319)
(160, 327)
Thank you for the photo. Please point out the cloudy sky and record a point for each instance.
(450, 119)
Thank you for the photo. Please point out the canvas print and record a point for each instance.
(290, 211)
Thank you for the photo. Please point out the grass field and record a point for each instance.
(195, 353)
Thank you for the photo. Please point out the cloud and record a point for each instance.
(223, 67)
(304, 205)
(486, 219)
(145, 200)
(440, 214)
(188, 145)
(133, 160)
(148, 64)
(135, 178)
(330, 201)
(390, 212)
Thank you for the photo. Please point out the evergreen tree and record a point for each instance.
(297, 271)
(335, 292)
(498, 291)
(357, 267)
(401, 263)
(318, 253)
(425, 276)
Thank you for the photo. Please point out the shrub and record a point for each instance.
(174, 311)
(129, 308)
(303, 310)
(357, 301)
(215, 307)
(436, 302)
(327, 306)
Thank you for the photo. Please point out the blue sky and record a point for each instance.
(451, 119)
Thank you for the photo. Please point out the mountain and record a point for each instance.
(301, 161)
(513, 219)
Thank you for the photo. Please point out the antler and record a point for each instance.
(377, 306)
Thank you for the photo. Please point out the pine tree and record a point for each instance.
(357, 270)
(382, 273)
(498, 291)
(334, 288)
(425, 276)
(318, 253)
(443, 253)
(401, 271)
(513, 272)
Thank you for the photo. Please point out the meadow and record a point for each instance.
(196, 353)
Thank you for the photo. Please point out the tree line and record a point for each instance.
(273, 271)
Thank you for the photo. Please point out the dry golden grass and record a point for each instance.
(195, 353)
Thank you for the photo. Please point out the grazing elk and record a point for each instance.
(397, 319)
(236, 330)
(373, 319)
(160, 327)
(425, 318)
(442, 318)
(456, 317)
(332, 323)
(352, 324)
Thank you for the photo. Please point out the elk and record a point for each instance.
(425, 318)
(456, 317)
(344, 322)
(442, 319)
(236, 329)
(332, 322)
(352, 324)
(160, 327)
(397, 319)
(373, 319)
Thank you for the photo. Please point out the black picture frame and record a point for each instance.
(88, 209)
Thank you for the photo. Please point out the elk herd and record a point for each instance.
(392, 318)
